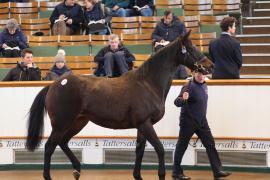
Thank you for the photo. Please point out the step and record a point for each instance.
(255, 69)
(256, 29)
(254, 76)
(255, 20)
(261, 12)
(256, 58)
(261, 4)
(248, 48)
(253, 38)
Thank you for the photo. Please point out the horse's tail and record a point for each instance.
(36, 120)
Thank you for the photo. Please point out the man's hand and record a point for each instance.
(185, 95)
(62, 17)
(4, 46)
(115, 8)
(69, 21)
(30, 65)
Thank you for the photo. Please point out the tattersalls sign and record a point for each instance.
(91, 145)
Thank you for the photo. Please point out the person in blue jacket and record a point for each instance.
(225, 52)
(66, 18)
(193, 102)
(12, 40)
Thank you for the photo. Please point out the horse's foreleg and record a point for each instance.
(150, 134)
(49, 149)
(140, 146)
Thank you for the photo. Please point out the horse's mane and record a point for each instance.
(156, 59)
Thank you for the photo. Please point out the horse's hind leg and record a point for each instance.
(140, 146)
(50, 146)
(149, 132)
(80, 123)
(75, 162)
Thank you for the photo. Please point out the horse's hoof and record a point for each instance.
(76, 174)
(47, 178)
(161, 177)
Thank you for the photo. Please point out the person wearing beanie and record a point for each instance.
(59, 68)
(61, 51)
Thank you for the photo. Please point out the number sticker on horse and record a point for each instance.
(64, 82)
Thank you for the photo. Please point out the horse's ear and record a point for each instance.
(186, 36)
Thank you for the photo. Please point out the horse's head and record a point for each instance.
(193, 58)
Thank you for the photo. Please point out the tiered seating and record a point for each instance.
(211, 23)
(75, 45)
(125, 25)
(31, 26)
(4, 11)
(197, 7)
(46, 8)
(78, 64)
(148, 24)
(202, 40)
(138, 43)
(97, 42)
(140, 59)
(227, 7)
(24, 10)
(174, 5)
(191, 22)
(43, 45)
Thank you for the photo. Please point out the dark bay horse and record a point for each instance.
(134, 100)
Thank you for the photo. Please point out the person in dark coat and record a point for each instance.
(95, 20)
(66, 18)
(167, 30)
(193, 102)
(226, 52)
(59, 68)
(12, 40)
(25, 70)
(114, 59)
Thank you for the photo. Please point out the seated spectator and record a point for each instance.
(95, 21)
(25, 70)
(225, 52)
(116, 8)
(59, 68)
(113, 60)
(12, 40)
(167, 30)
(66, 18)
(141, 7)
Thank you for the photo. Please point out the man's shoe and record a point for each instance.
(181, 177)
(222, 174)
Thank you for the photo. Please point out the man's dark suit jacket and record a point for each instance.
(227, 56)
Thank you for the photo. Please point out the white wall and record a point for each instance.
(233, 111)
